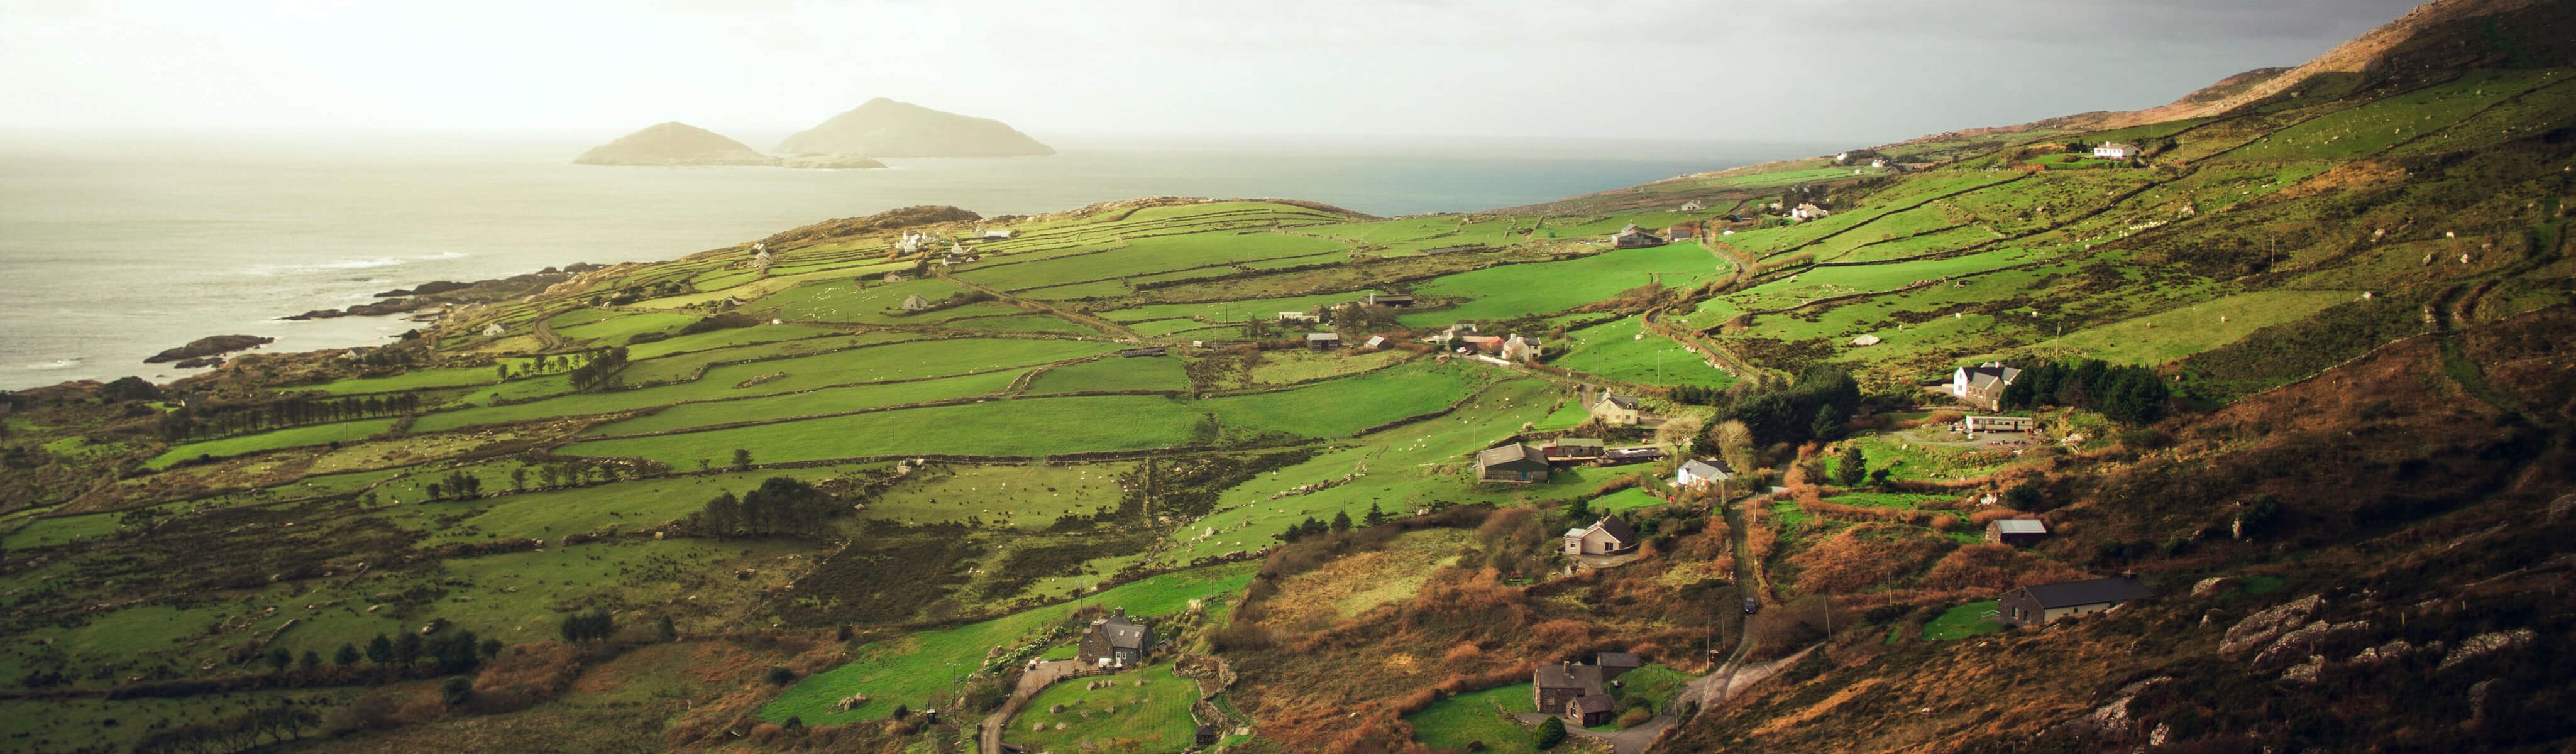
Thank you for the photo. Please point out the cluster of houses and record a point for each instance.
(1580, 694)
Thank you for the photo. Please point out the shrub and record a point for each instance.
(456, 691)
(1550, 733)
(779, 675)
(1635, 716)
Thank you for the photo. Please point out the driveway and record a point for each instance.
(1035, 680)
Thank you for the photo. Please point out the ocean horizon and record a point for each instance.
(115, 248)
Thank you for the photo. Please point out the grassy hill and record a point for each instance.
(2327, 313)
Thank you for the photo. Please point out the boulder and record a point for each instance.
(2261, 628)
(2485, 644)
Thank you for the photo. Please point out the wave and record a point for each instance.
(47, 366)
(352, 264)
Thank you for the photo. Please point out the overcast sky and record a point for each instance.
(1807, 70)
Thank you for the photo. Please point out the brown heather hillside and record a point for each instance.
(2417, 515)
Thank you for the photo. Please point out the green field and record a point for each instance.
(1146, 709)
(2165, 336)
(1964, 621)
(317, 434)
(1478, 717)
(914, 669)
(1613, 350)
(1550, 287)
(1113, 373)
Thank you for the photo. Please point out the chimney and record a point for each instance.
(1120, 613)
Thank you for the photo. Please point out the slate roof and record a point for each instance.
(1986, 375)
(1622, 401)
(1518, 451)
(1708, 469)
(1123, 633)
(1586, 677)
(2021, 526)
(1576, 442)
(1617, 529)
(1322, 336)
(2089, 592)
(1590, 703)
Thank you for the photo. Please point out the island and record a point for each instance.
(676, 144)
(888, 128)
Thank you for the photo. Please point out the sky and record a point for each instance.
(1713, 70)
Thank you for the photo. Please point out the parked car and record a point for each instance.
(1752, 606)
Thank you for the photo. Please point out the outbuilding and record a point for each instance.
(2045, 603)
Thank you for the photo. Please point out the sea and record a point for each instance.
(113, 248)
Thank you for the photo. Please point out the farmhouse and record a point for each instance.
(1517, 348)
(1115, 642)
(494, 329)
(1684, 231)
(1693, 206)
(2112, 150)
(1975, 424)
(915, 303)
(1697, 471)
(1983, 385)
(2039, 605)
(1632, 237)
(1805, 212)
(1482, 343)
(1568, 449)
(1296, 317)
(1386, 299)
(1516, 463)
(1323, 341)
(1616, 410)
(1554, 687)
(2018, 532)
(1608, 536)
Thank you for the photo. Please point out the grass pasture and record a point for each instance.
(317, 434)
(1461, 722)
(1964, 621)
(1146, 709)
(1550, 287)
(1113, 373)
(913, 669)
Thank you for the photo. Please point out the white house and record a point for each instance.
(494, 329)
(1696, 471)
(2112, 150)
(1693, 206)
(1609, 536)
(1805, 212)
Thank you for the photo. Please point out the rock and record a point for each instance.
(2112, 720)
(215, 345)
(200, 362)
(2304, 638)
(2394, 649)
(1057, 709)
(2562, 507)
(2306, 672)
(2486, 643)
(2203, 587)
(2478, 699)
(2261, 628)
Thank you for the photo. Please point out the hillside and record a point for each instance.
(886, 128)
(2299, 366)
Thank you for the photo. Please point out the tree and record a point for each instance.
(380, 650)
(670, 632)
(346, 656)
(1551, 732)
(741, 458)
(407, 649)
(455, 691)
(1341, 521)
(1852, 467)
(1734, 443)
(501, 371)
(1826, 425)
(2024, 496)
(491, 648)
(1375, 515)
(310, 660)
(278, 659)
(779, 675)
(519, 479)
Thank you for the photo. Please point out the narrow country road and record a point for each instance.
(989, 737)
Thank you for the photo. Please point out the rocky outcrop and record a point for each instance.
(2112, 721)
(2304, 638)
(380, 308)
(215, 345)
(2261, 628)
(2487, 643)
(886, 128)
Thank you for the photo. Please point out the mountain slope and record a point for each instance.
(887, 128)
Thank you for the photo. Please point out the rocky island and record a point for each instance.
(887, 128)
(676, 143)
